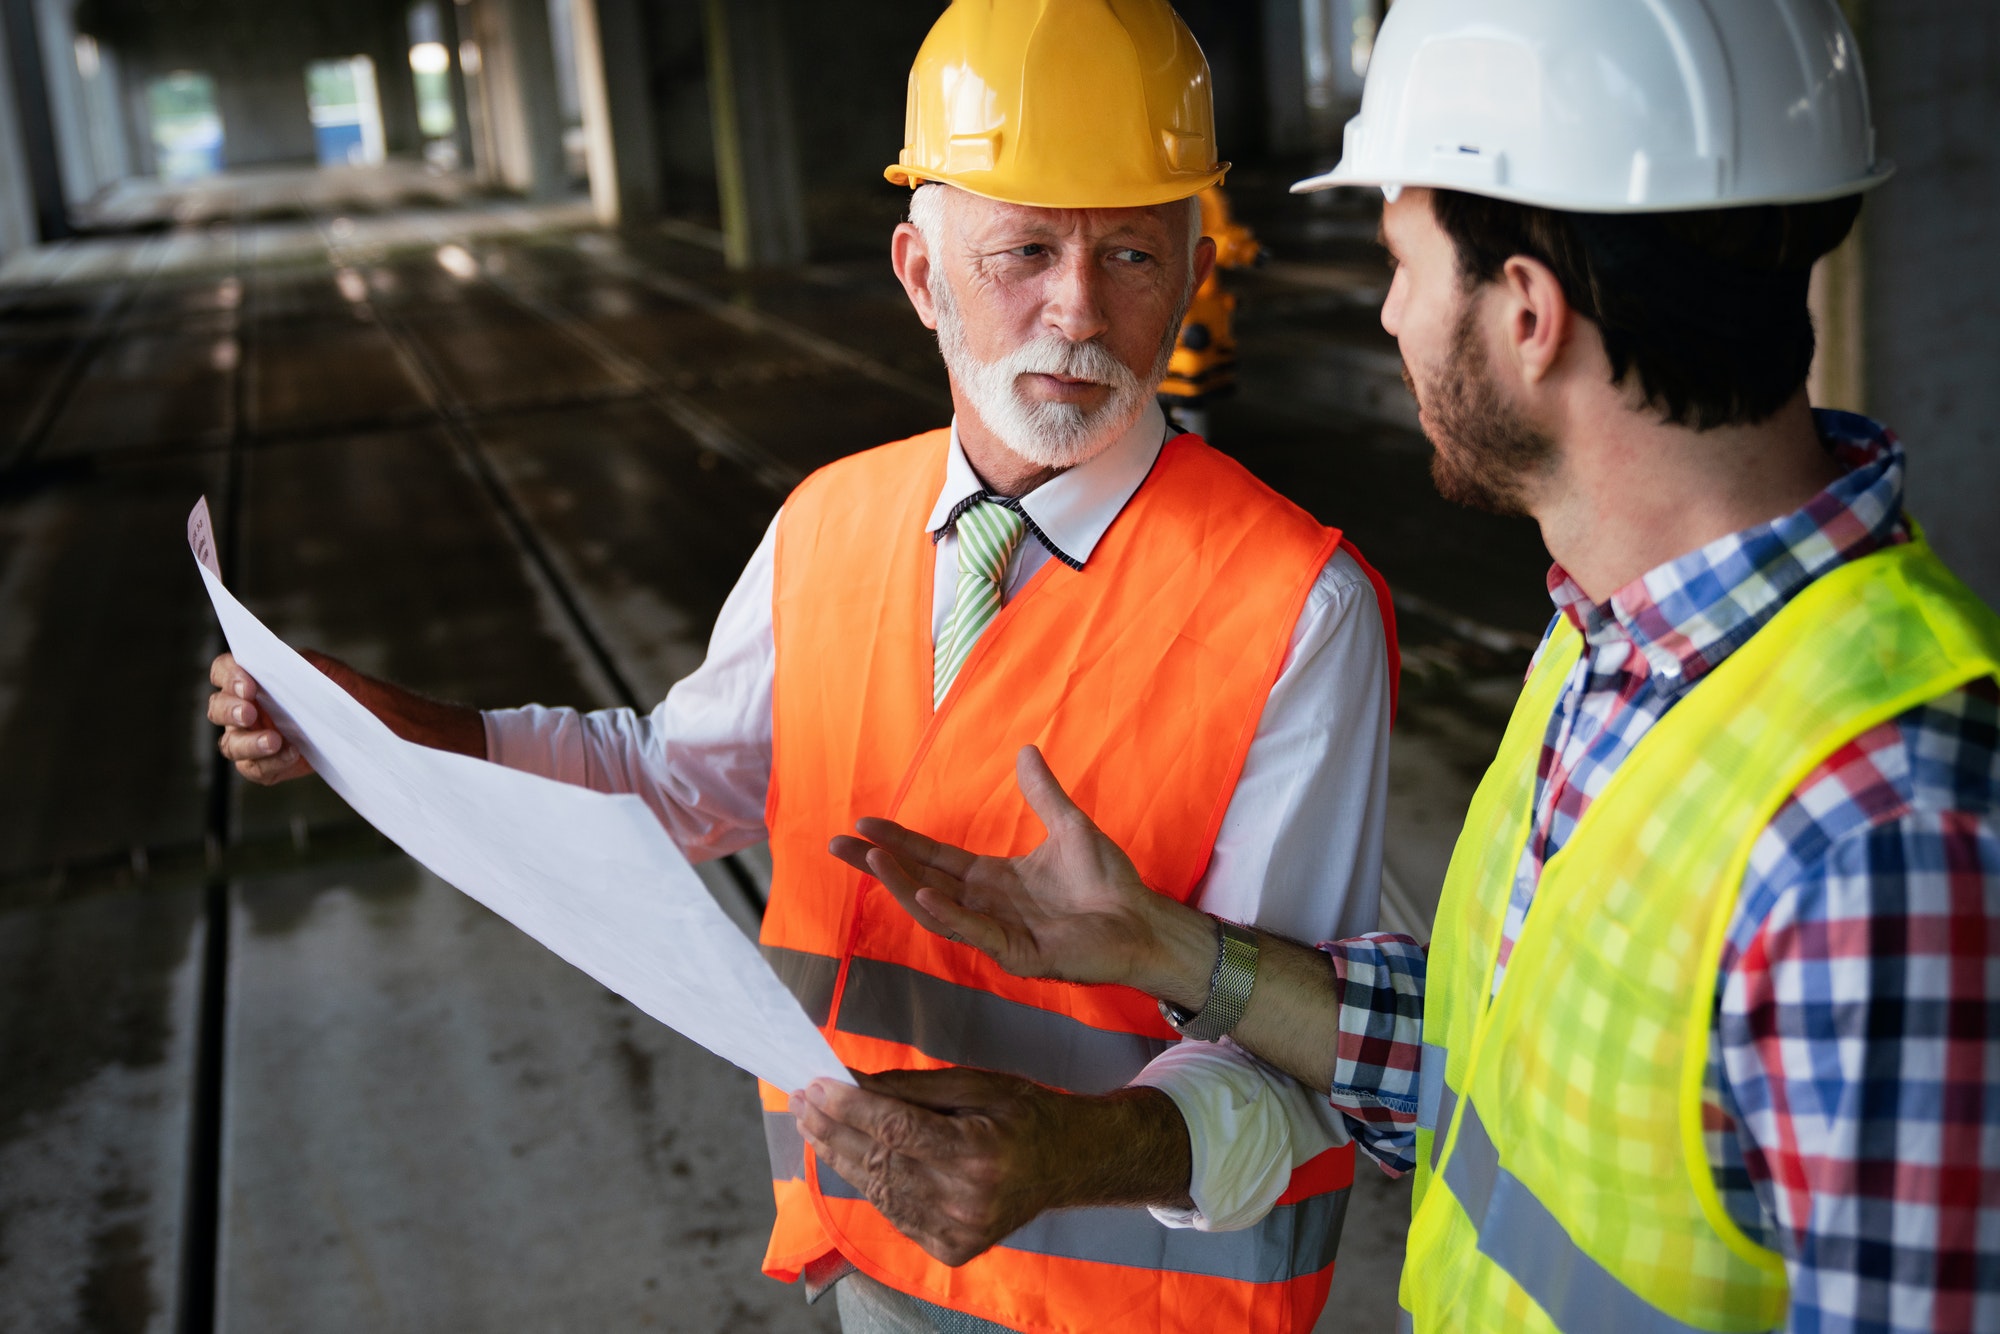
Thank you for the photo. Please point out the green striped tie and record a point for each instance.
(987, 536)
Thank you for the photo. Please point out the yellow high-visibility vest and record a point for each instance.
(1562, 1179)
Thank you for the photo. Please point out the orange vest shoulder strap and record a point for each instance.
(866, 493)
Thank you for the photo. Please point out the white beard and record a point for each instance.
(1049, 435)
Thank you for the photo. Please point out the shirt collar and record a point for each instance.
(1688, 615)
(1070, 513)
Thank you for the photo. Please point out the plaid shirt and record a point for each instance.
(1853, 1090)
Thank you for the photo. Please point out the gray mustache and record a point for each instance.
(1055, 355)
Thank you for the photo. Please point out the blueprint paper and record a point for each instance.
(590, 875)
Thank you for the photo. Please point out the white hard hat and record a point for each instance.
(1615, 106)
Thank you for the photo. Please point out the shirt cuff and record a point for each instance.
(1380, 1048)
(1248, 1127)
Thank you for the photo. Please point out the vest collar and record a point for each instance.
(1070, 513)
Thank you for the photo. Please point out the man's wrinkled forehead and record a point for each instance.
(983, 220)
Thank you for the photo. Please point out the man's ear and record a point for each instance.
(1204, 260)
(1538, 320)
(910, 256)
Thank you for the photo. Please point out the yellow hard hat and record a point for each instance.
(1061, 104)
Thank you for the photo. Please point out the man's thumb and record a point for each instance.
(1045, 795)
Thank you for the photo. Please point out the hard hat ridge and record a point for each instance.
(1061, 104)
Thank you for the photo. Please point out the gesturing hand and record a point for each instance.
(1074, 909)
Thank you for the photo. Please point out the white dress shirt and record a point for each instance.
(1298, 851)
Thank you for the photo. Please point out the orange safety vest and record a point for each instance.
(1142, 678)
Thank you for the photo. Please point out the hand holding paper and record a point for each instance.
(590, 875)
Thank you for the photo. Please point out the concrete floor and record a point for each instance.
(258, 1071)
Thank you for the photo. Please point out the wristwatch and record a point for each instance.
(1229, 986)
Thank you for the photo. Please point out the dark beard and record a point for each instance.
(1482, 450)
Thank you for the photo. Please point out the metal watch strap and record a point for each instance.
(1229, 986)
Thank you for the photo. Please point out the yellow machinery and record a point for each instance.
(1204, 361)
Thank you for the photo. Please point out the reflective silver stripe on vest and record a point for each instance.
(1436, 1099)
(810, 977)
(1431, 1088)
(1292, 1241)
(967, 1026)
(1518, 1233)
(786, 1146)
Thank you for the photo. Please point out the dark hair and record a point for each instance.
(1707, 308)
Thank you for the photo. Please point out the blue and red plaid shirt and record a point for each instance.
(1853, 1092)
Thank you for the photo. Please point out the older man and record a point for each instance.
(1209, 667)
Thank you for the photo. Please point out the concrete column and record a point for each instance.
(461, 101)
(522, 103)
(1231, 33)
(35, 125)
(104, 107)
(1311, 81)
(682, 110)
(137, 117)
(756, 152)
(266, 120)
(17, 189)
(617, 113)
(1285, 76)
(1330, 84)
(68, 113)
(474, 25)
(1932, 270)
(396, 89)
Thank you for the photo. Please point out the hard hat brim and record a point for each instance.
(1167, 192)
(1344, 177)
